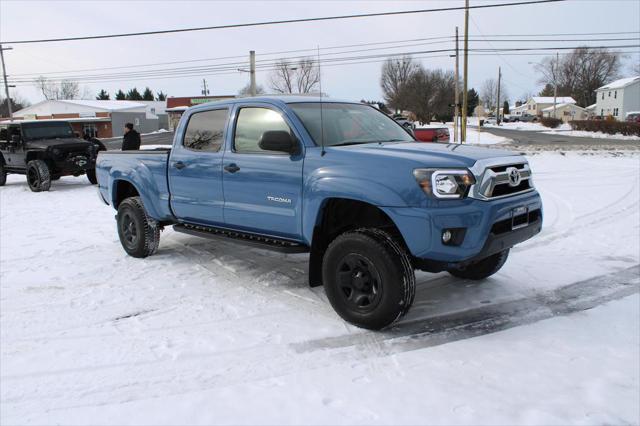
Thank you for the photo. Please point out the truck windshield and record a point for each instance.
(33, 131)
(348, 124)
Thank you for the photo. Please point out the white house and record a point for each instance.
(617, 98)
(100, 118)
(518, 110)
(536, 104)
(566, 112)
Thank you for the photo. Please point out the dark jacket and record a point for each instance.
(131, 141)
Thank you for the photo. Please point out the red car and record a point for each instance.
(633, 117)
(432, 134)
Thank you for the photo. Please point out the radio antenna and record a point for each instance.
(322, 151)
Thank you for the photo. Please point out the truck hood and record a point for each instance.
(66, 143)
(432, 154)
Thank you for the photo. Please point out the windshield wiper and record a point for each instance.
(345, 143)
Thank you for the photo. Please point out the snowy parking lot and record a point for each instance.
(215, 333)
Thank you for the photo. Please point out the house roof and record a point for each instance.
(558, 106)
(106, 105)
(619, 84)
(549, 100)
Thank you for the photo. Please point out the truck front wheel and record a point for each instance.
(139, 234)
(368, 278)
(483, 268)
(38, 176)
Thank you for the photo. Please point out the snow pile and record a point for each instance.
(215, 333)
(585, 134)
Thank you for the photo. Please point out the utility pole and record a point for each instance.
(4, 77)
(498, 105)
(465, 100)
(204, 91)
(555, 85)
(252, 72)
(457, 96)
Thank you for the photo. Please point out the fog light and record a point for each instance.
(446, 236)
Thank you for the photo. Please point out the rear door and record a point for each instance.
(195, 168)
(262, 189)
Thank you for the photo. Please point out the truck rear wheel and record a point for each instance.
(368, 278)
(483, 268)
(38, 176)
(91, 175)
(3, 173)
(139, 234)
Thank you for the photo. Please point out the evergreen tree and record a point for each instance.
(505, 108)
(134, 95)
(120, 96)
(161, 96)
(103, 96)
(473, 99)
(547, 91)
(147, 95)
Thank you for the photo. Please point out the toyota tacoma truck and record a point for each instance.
(338, 180)
(45, 151)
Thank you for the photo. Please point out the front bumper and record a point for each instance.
(422, 228)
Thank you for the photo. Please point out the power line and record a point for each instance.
(443, 38)
(269, 64)
(280, 22)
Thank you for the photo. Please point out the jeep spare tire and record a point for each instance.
(3, 173)
(38, 176)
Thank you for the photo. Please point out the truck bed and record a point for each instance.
(146, 167)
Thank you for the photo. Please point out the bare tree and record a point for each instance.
(300, 77)
(581, 72)
(396, 74)
(308, 76)
(17, 103)
(489, 93)
(635, 68)
(430, 94)
(65, 89)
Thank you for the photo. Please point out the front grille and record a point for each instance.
(503, 180)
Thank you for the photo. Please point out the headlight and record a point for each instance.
(444, 183)
(56, 152)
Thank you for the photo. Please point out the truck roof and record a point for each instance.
(276, 99)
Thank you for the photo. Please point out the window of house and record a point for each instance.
(609, 95)
(615, 95)
(602, 95)
(615, 112)
(205, 130)
(251, 125)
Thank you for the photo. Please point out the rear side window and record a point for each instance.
(251, 124)
(205, 130)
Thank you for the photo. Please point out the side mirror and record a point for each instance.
(278, 140)
(15, 139)
(76, 134)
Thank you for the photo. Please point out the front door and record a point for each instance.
(262, 189)
(195, 168)
(13, 153)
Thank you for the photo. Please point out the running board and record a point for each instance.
(259, 241)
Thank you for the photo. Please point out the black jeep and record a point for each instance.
(45, 151)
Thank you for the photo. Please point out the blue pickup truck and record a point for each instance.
(338, 180)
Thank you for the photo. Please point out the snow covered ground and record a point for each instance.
(205, 333)
(564, 129)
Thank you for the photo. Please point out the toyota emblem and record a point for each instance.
(514, 176)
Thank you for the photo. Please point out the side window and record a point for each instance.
(251, 124)
(4, 134)
(205, 130)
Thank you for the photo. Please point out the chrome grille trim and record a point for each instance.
(487, 180)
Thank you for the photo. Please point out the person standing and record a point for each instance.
(131, 138)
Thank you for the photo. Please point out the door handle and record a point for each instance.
(179, 165)
(232, 168)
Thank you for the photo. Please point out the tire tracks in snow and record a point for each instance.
(438, 330)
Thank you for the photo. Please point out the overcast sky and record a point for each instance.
(48, 19)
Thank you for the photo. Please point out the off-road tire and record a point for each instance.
(38, 176)
(370, 258)
(139, 234)
(3, 173)
(91, 175)
(483, 268)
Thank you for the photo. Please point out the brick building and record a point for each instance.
(177, 106)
